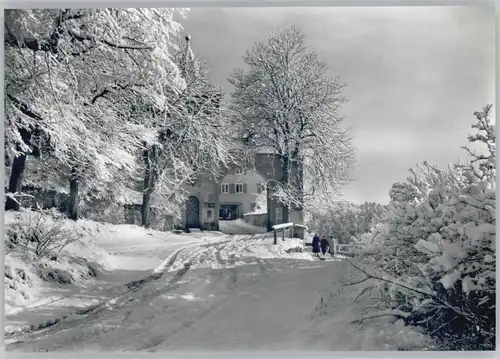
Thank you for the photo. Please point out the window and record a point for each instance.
(279, 215)
(239, 188)
(261, 187)
(239, 172)
(224, 188)
(209, 214)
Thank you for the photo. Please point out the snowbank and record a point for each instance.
(29, 278)
(239, 226)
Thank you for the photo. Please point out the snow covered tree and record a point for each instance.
(482, 164)
(191, 135)
(436, 259)
(286, 103)
(69, 75)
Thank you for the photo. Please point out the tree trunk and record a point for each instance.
(146, 205)
(16, 181)
(286, 182)
(299, 184)
(217, 203)
(73, 194)
(17, 173)
(149, 158)
(269, 206)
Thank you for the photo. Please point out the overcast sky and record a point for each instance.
(415, 75)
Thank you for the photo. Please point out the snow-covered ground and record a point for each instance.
(239, 226)
(204, 290)
(120, 254)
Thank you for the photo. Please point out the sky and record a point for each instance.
(414, 75)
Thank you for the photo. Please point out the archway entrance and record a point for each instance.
(193, 212)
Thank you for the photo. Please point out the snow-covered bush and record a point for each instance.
(41, 234)
(436, 262)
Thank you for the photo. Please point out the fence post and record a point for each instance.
(283, 234)
(275, 237)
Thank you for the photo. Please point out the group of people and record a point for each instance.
(321, 245)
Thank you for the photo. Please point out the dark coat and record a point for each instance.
(324, 244)
(315, 244)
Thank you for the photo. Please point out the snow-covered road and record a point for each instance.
(257, 306)
(210, 295)
(267, 304)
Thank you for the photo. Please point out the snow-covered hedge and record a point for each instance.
(435, 258)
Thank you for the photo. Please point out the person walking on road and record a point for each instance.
(331, 245)
(324, 245)
(316, 245)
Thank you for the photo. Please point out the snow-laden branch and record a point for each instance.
(82, 37)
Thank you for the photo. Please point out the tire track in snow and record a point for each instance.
(186, 264)
(226, 272)
(201, 252)
(134, 286)
(227, 275)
